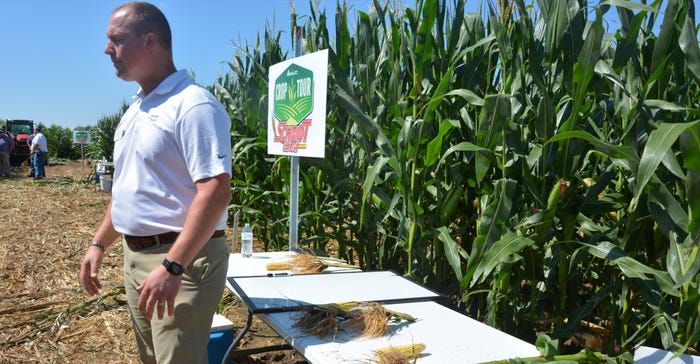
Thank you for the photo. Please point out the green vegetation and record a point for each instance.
(534, 166)
(60, 139)
(540, 169)
(60, 143)
(103, 134)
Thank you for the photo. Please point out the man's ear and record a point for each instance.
(150, 40)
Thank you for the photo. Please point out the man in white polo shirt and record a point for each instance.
(171, 189)
(39, 151)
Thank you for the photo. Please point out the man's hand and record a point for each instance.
(89, 270)
(157, 292)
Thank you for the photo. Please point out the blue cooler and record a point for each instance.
(220, 338)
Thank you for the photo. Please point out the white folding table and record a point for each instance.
(238, 266)
(255, 266)
(649, 355)
(450, 337)
(264, 294)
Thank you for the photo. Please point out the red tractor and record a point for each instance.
(20, 131)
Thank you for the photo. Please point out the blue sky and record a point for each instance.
(53, 69)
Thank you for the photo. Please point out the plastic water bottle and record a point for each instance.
(247, 241)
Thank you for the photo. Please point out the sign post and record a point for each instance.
(82, 137)
(297, 117)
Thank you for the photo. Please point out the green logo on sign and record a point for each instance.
(294, 94)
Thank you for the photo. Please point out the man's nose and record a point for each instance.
(109, 48)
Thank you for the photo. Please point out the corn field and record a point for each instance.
(535, 165)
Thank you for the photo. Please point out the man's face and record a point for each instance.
(125, 48)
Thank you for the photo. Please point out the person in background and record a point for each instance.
(170, 193)
(7, 145)
(39, 151)
(31, 160)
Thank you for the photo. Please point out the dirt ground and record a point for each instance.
(46, 317)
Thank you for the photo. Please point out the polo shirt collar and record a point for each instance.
(167, 85)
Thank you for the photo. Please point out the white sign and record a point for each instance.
(296, 123)
(81, 137)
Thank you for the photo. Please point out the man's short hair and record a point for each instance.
(147, 18)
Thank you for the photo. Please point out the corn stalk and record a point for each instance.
(529, 161)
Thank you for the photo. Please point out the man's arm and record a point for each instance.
(92, 261)
(212, 199)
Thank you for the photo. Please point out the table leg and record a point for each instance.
(238, 338)
(232, 353)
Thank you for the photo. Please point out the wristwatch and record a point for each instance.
(173, 268)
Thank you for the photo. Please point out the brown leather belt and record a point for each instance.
(143, 242)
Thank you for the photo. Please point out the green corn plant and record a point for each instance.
(256, 182)
(533, 165)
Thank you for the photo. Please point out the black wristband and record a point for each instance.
(173, 268)
(102, 247)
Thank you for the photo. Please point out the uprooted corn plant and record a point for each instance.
(361, 319)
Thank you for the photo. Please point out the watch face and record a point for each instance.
(173, 268)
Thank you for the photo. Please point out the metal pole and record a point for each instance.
(294, 172)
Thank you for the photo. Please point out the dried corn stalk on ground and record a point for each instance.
(46, 316)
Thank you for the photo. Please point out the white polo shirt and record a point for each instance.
(40, 140)
(176, 135)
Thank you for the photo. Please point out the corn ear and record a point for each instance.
(344, 306)
(278, 266)
(302, 263)
(398, 316)
(399, 353)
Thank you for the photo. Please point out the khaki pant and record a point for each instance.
(183, 337)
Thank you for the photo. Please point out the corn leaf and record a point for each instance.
(368, 185)
(435, 146)
(631, 267)
(505, 250)
(468, 96)
(627, 4)
(493, 122)
(453, 253)
(558, 19)
(682, 261)
(491, 225)
(660, 141)
(690, 153)
(689, 45)
(612, 151)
